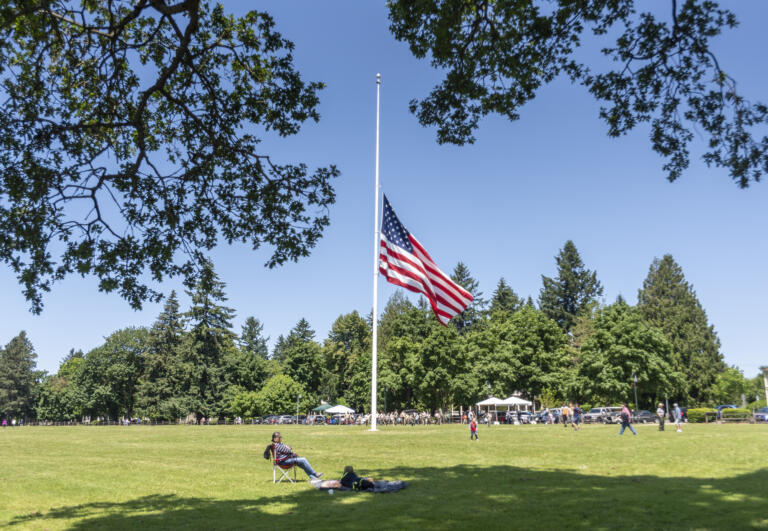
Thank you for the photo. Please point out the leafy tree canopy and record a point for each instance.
(495, 55)
(129, 147)
(623, 345)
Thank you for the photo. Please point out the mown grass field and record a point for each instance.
(515, 477)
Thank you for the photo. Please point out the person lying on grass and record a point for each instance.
(284, 456)
(349, 480)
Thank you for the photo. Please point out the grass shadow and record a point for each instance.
(451, 497)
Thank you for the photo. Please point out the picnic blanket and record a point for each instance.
(378, 486)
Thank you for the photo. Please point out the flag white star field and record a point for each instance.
(405, 263)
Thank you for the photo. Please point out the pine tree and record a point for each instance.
(251, 339)
(18, 378)
(574, 291)
(301, 357)
(505, 299)
(279, 349)
(208, 343)
(246, 366)
(668, 302)
(474, 312)
(157, 395)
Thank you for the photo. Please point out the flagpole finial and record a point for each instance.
(378, 79)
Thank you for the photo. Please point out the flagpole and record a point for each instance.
(376, 235)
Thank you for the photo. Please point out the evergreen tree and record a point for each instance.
(205, 348)
(669, 303)
(574, 291)
(18, 378)
(251, 339)
(505, 299)
(247, 366)
(474, 312)
(158, 391)
(302, 357)
(279, 349)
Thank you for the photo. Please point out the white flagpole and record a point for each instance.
(374, 346)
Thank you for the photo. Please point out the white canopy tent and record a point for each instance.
(338, 410)
(516, 401)
(491, 401)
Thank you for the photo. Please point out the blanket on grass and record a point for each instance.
(378, 486)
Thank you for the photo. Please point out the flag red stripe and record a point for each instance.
(428, 289)
(397, 257)
(437, 272)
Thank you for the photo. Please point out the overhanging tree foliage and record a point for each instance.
(495, 55)
(129, 142)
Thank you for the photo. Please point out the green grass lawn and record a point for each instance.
(514, 477)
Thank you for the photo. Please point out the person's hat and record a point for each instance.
(661, 405)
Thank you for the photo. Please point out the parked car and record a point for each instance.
(606, 415)
(315, 419)
(270, 419)
(301, 419)
(761, 415)
(643, 416)
(284, 419)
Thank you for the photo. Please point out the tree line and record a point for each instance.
(568, 345)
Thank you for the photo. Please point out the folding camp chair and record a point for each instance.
(283, 470)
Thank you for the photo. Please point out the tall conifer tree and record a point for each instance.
(252, 339)
(18, 378)
(505, 299)
(158, 387)
(669, 303)
(474, 312)
(572, 292)
(209, 341)
(301, 357)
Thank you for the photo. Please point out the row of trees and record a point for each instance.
(569, 346)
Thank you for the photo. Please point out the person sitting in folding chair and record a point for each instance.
(285, 458)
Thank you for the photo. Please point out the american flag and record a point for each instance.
(405, 263)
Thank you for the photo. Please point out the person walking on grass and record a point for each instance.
(626, 419)
(473, 430)
(576, 417)
(660, 413)
(565, 414)
(678, 418)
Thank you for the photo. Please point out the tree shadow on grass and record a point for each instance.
(460, 496)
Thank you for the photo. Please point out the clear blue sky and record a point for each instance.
(504, 206)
